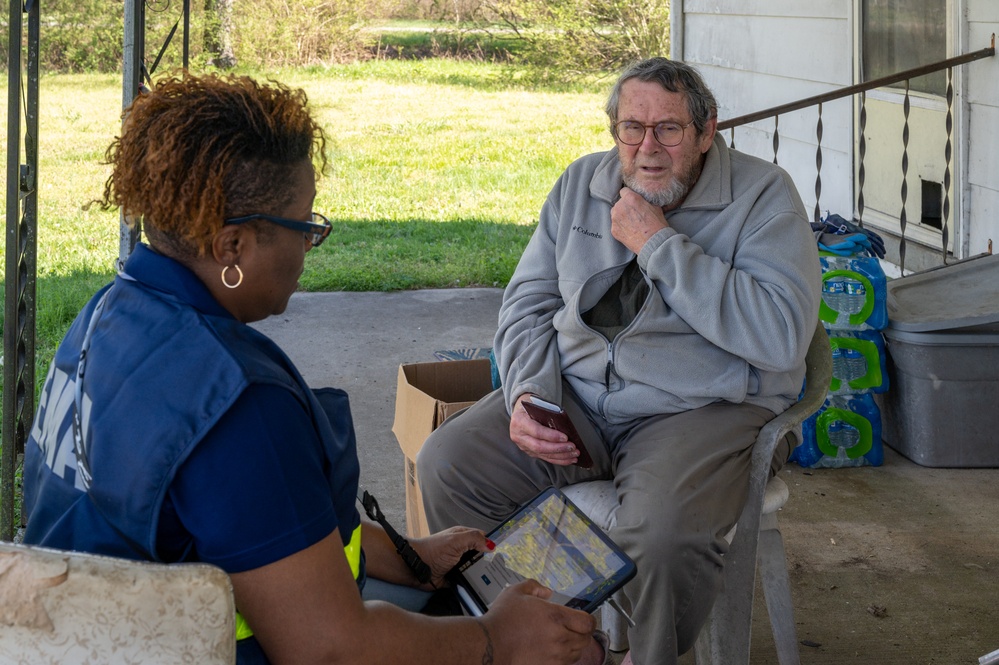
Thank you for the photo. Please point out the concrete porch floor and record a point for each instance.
(894, 564)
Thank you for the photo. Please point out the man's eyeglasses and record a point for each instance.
(668, 134)
(315, 230)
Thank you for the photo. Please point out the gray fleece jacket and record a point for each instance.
(733, 300)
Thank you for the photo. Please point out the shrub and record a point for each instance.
(83, 35)
(435, 10)
(87, 35)
(276, 33)
(565, 38)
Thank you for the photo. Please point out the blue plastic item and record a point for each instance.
(854, 293)
(852, 240)
(848, 245)
(494, 370)
(845, 432)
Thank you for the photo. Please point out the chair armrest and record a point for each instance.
(818, 373)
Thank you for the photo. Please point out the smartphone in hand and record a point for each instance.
(553, 416)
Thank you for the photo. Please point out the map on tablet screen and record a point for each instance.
(549, 540)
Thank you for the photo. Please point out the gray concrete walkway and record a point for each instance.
(895, 564)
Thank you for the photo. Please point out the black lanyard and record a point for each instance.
(402, 546)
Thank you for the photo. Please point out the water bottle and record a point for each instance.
(855, 295)
(848, 364)
(845, 432)
(856, 364)
(834, 294)
(843, 435)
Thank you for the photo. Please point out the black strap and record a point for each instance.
(169, 38)
(402, 546)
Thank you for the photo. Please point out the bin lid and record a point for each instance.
(963, 337)
(963, 295)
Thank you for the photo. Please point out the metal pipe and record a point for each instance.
(860, 87)
(30, 226)
(8, 458)
(187, 33)
(133, 50)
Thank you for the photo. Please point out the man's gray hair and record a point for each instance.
(673, 76)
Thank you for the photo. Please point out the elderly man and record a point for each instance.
(666, 301)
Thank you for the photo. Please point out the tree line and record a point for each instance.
(559, 38)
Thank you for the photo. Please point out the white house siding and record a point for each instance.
(982, 94)
(756, 54)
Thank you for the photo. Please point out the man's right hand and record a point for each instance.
(525, 627)
(634, 220)
(539, 441)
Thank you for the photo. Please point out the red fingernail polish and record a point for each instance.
(490, 544)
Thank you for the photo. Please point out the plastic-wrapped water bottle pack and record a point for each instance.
(846, 431)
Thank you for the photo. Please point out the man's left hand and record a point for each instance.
(442, 550)
(538, 441)
(634, 220)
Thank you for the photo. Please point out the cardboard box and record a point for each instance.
(427, 393)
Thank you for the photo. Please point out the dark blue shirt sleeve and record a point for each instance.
(254, 490)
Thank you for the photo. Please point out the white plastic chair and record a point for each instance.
(68, 607)
(725, 638)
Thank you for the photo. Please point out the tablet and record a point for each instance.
(552, 541)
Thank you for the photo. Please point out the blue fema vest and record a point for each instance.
(159, 375)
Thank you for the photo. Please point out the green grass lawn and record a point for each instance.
(438, 171)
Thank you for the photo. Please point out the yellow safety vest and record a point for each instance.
(353, 552)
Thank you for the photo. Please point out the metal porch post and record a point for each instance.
(21, 257)
(133, 49)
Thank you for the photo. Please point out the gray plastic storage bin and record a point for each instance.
(942, 404)
(942, 407)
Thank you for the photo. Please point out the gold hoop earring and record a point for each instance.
(238, 282)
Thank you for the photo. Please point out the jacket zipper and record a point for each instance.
(608, 373)
(610, 366)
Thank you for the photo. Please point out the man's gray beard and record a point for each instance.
(674, 193)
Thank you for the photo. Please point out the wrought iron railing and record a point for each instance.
(861, 89)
